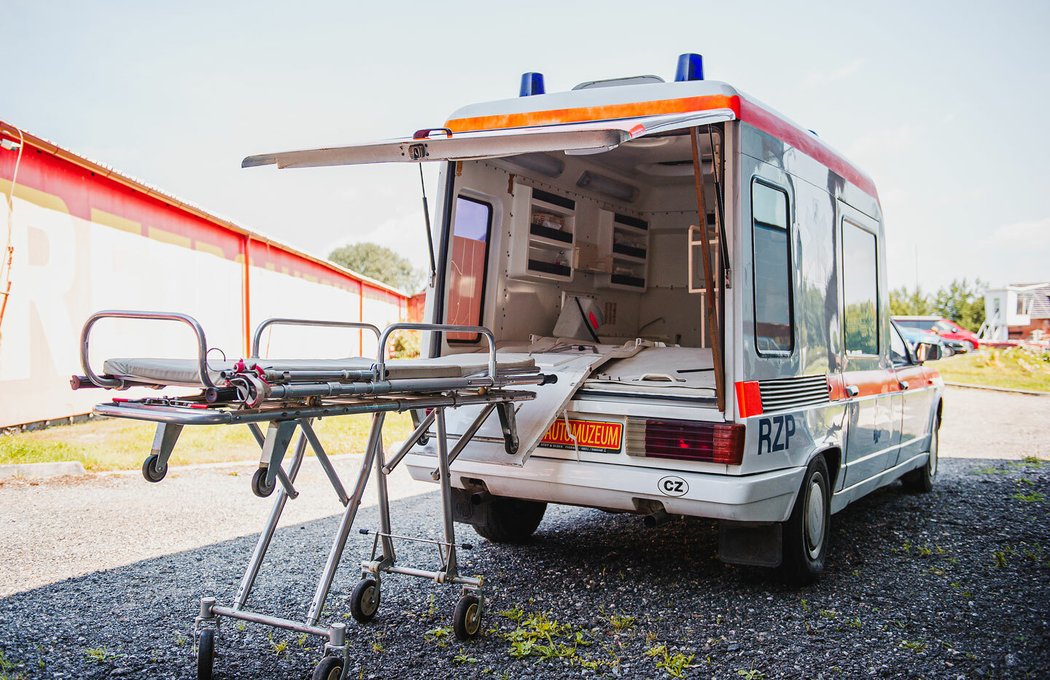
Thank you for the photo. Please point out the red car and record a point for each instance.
(946, 328)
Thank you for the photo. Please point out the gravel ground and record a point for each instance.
(955, 583)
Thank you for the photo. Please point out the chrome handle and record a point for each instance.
(117, 383)
(852, 390)
(277, 321)
(438, 328)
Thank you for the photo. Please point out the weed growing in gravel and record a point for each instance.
(438, 636)
(1000, 558)
(463, 658)
(674, 665)
(828, 614)
(913, 645)
(539, 635)
(514, 614)
(98, 654)
(1030, 497)
(278, 648)
(7, 669)
(805, 605)
(621, 623)
(924, 551)
(180, 640)
(750, 674)
(377, 644)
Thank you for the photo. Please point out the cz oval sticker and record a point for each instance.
(673, 486)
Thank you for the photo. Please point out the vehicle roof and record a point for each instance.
(903, 317)
(652, 99)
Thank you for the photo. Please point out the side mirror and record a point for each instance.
(925, 351)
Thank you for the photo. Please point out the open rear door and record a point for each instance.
(441, 144)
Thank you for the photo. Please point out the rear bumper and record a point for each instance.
(765, 497)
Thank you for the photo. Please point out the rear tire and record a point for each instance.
(510, 520)
(805, 534)
(922, 479)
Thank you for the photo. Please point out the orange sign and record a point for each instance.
(591, 435)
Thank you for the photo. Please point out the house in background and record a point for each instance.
(1017, 312)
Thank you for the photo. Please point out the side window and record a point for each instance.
(898, 349)
(774, 334)
(860, 290)
(470, 253)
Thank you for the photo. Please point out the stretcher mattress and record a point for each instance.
(183, 372)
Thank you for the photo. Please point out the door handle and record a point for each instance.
(903, 385)
(852, 390)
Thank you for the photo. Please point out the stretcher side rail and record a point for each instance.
(118, 383)
(315, 323)
(439, 328)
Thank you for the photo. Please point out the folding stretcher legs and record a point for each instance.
(365, 598)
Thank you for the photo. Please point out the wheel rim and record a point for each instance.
(815, 516)
(370, 600)
(472, 620)
(335, 672)
(932, 464)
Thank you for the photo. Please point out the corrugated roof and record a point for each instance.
(16, 134)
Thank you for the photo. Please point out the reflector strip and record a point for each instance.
(748, 399)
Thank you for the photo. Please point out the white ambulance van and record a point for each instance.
(706, 278)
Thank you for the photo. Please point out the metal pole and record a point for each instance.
(384, 507)
(334, 555)
(263, 544)
(446, 493)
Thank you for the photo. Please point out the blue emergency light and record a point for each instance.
(531, 83)
(690, 67)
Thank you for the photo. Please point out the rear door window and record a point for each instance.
(860, 290)
(471, 232)
(774, 334)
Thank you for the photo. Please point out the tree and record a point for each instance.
(963, 303)
(380, 263)
(960, 301)
(904, 302)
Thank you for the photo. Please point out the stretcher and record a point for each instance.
(287, 396)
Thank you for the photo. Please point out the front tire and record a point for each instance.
(805, 534)
(330, 668)
(922, 479)
(510, 520)
(205, 654)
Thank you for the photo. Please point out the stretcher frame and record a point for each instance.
(291, 410)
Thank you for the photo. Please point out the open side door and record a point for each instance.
(441, 144)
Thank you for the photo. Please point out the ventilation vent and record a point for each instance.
(788, 393)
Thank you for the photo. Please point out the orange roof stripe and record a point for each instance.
(594, 113)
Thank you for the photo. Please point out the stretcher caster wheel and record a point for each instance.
(364, 600)
(205, 654)
(259, 486)
(150, 470)
(330, 668)
(466, 620)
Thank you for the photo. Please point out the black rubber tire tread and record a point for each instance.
(511, 520)
(330, 668)
(796, 566)
(259, 487)
(358, 610)
(460, 625)
(149, 470)
(205, 654)
(921, 480)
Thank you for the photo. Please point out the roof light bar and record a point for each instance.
(690, 67)
(531, 84)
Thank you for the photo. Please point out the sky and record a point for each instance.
(942, 103)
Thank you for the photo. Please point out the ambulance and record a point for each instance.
(706, 278)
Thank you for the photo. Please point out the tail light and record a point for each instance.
(690, 440)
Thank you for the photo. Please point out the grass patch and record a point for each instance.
(119, 444)
(1015, 368)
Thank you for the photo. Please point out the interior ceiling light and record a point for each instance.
(538, 162)
(608, 186)
(650, 142)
